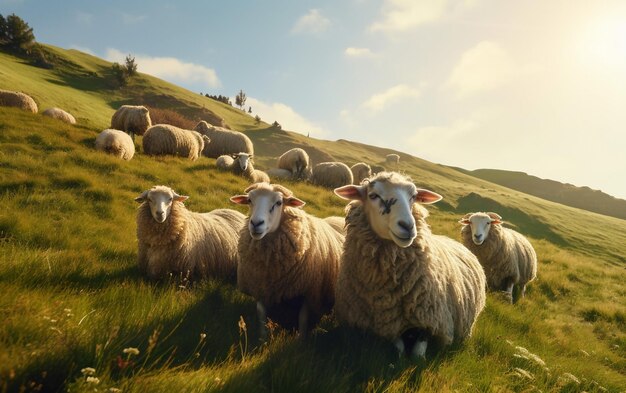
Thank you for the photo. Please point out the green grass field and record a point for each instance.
(72, 297)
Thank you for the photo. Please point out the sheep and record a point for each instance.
(164, 139)
(289, 259)
(174, 240)
(224, 141)
(338, 223)
(117, 143)
(377, 169)
(331, 174)
(507, 256)
(279, 173)
(399, 280)
(135, 120)
(18, 100)
(241, 164)
(60, 114)
(296, 161)
(392, 159)
(360, 171)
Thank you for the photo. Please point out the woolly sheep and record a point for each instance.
(165, 139)
(279, 173)
(296, 161)
(392, 159)
(241, 164)
(17, 100)
(59, 114)
(135, 120)
(399, 280)
(117, 143)
(507, 256)
(377, 169)
(174, 240)
(289, 259)
(338, 223)
(360, 171)
(331, 174)
(224, 142)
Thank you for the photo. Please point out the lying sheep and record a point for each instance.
(117, 143)
(296, 161)
(224, 142)
(165, 139)
(241, 164)
(174, 240)
(399, 280)
(17, 100)
(360, 171)
(507, 256)
(289, 259)
(377, 169)
(59, 114)
(331, 174)
(279, 173)
(392, 159)
(135, 120)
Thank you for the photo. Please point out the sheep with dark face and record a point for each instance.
(399, 280)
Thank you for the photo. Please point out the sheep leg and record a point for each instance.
(399, 343)
(262, 315)
(523, 291)
(509, 291)
(303, 320)
(419, 349)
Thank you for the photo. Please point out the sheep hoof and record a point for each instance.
(399, 343)
(419, 350)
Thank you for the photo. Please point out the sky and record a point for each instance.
(537, 86)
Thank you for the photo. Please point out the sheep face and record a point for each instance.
(480, 223)
(244, 160)
(266, 209)
(388, 203)
(160, 200)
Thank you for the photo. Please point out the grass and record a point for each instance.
(73, 297)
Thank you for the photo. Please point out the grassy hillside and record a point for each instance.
(567, 194)
(73, 297)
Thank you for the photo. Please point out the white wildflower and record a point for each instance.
(131, 351)
(520, 372)
(93, 380)
(88, 371)
(567, 378)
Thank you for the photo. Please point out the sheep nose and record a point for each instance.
(478, 236)
(257, 224)
(405, 225)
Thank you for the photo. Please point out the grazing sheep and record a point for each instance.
(174, 240)
(507, 256)
(399, 280)
(331, 174)
(165, 139)
(59, 114)
(289, 259)
(117, 143)
(377, 169)
(224, 142)
(135, 120)
(279, 173)
(241, 164)
(392, 159)
(360, 171)
(17, 100)
(296, 161)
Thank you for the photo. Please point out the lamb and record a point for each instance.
(507, 256)
(59, 114)
(241, 164)
(279, 173)
(289, 259)
(392, 159)
(174, 240)
(399, 280)
(117, 143)
(331, 174)
(135, 120)
(296, 161)
(360, 171)
(17, 100)
(165, 139)
(225, 142)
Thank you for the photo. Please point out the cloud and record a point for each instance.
(313, 23)
(169, 68)
(358, 52)
(129, 19)
(403, 15)
(288, 118)
(484, 67)
(379, 101)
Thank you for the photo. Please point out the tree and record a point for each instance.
(18, 35)
(119, 72)
(249, 109)
(257, 119)
(240, 99)
(4, 32)
(276, 125)
(131, 66)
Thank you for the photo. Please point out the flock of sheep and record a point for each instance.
(379, 268)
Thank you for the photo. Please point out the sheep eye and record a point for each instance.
(373, 196)
(279, 203)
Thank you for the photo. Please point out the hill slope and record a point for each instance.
(73, 297)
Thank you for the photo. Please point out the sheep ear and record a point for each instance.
(427, 197)
(206, 139)
(351, 192)
(294, 202)
(180, 198)
(142, 198)
(464, 221)
(240, 199)
(495, 218)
